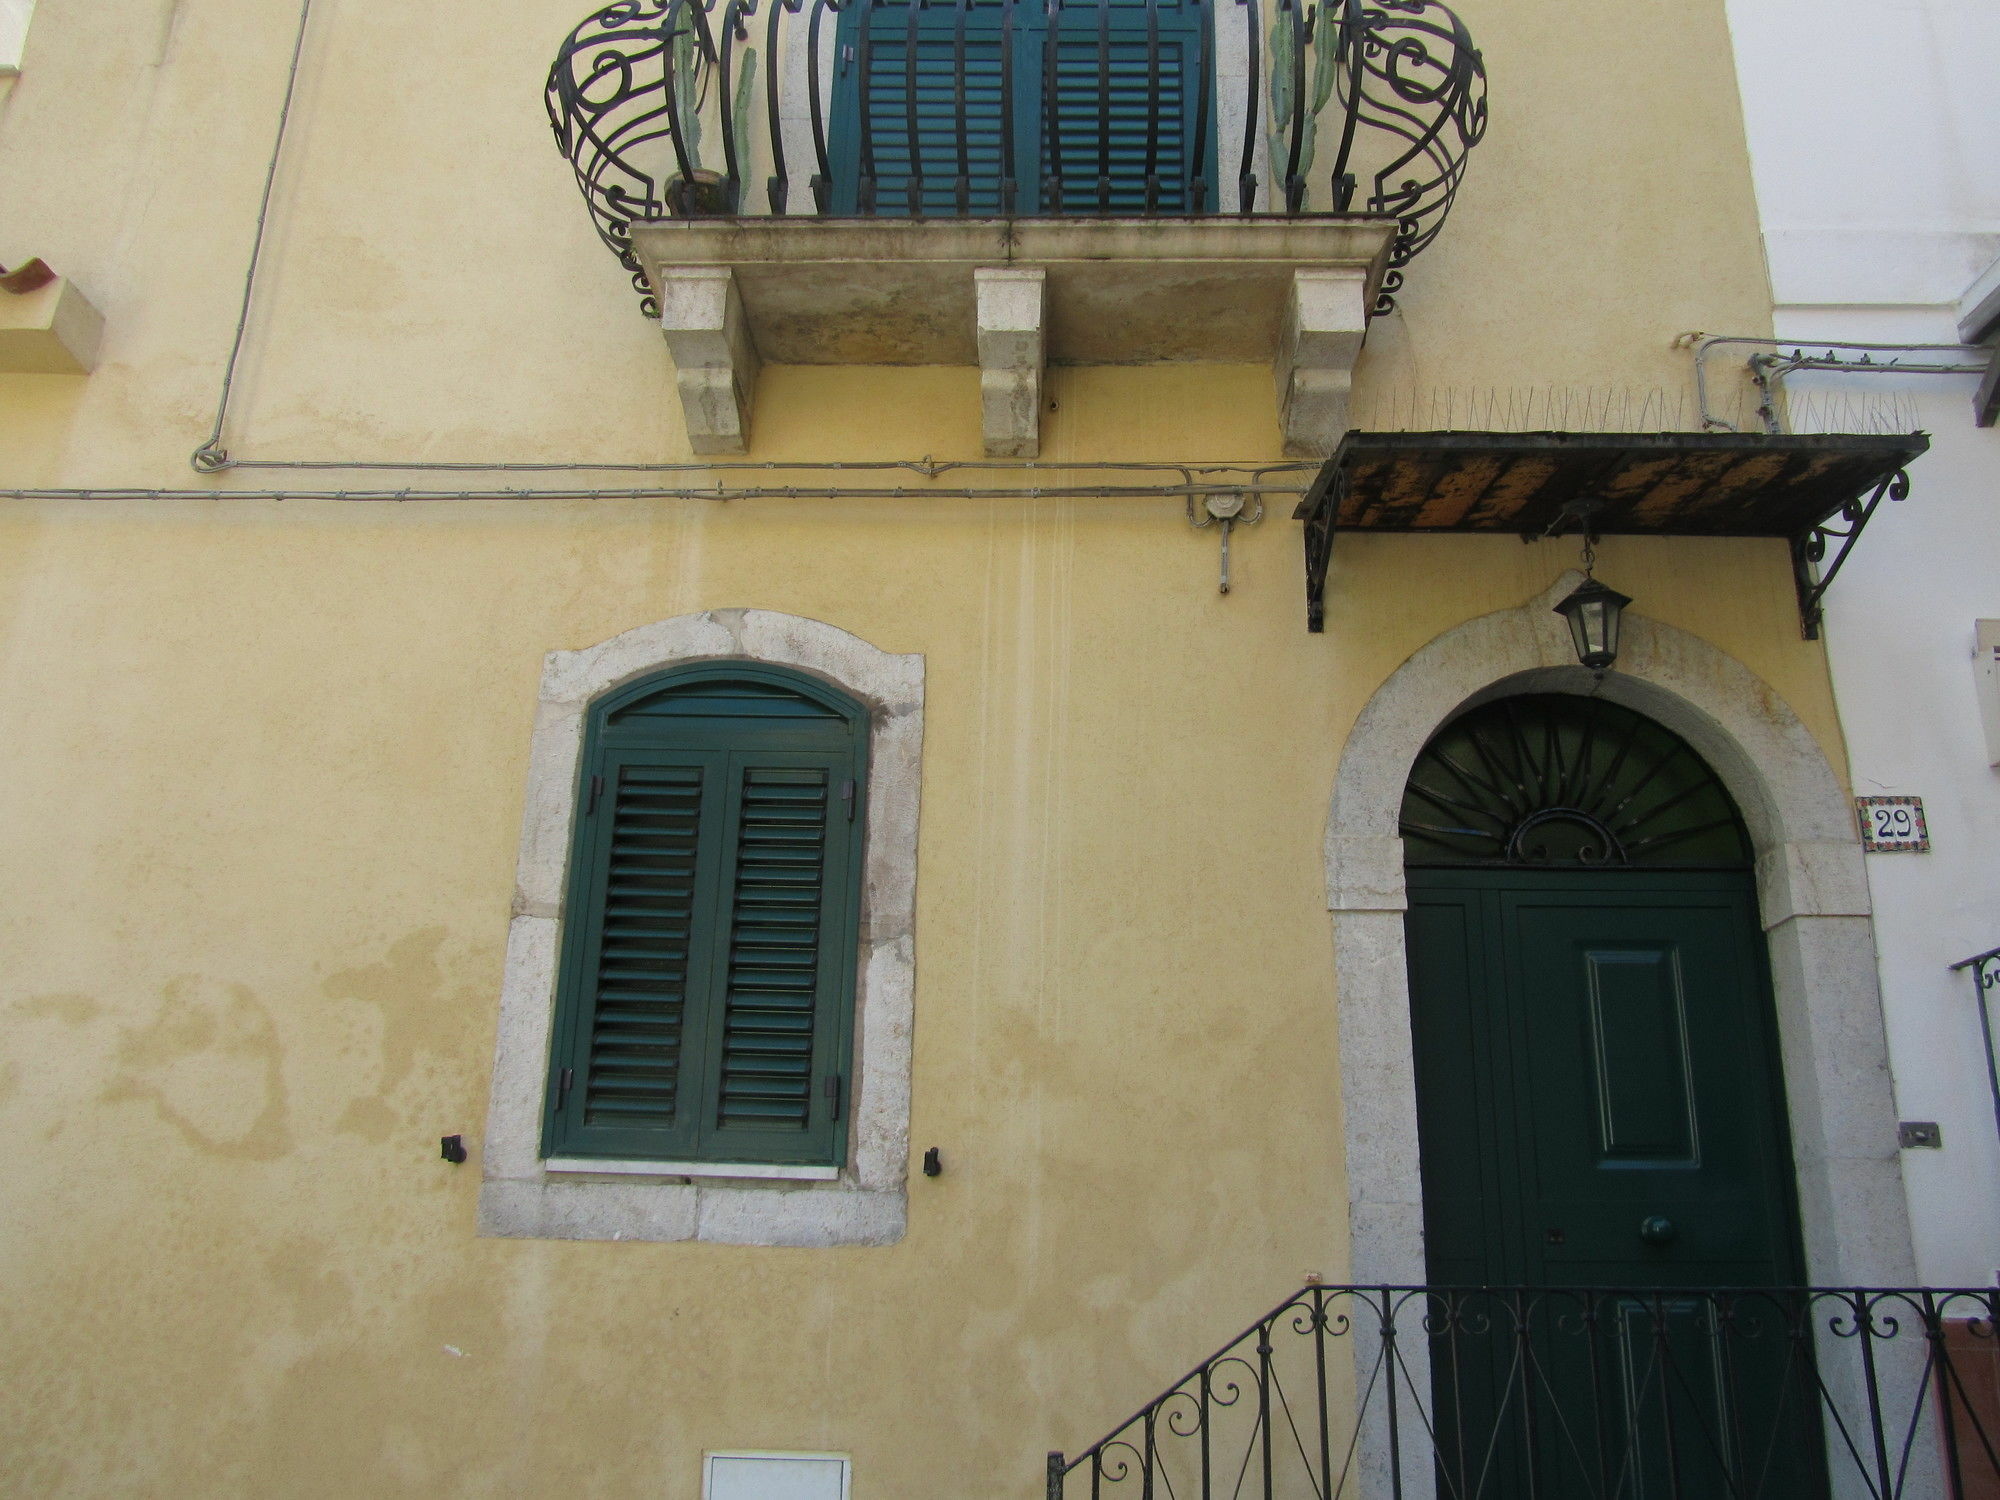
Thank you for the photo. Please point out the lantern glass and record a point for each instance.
(1593, 613)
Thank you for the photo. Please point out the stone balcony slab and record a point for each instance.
(1290, 291)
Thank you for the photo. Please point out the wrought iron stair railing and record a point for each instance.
(923, 108)
(1401, 1392)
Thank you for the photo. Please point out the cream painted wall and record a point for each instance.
(266, 765)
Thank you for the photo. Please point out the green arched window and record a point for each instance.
(704, 1004)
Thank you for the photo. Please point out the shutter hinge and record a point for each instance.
(847, 797)
(596, 791)
(833, 1093)
(563, 1081)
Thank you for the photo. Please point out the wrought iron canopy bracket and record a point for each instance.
(1839, 531)
(1986, 976)
(1320, 527)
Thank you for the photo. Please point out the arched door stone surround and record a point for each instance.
(1812, 897)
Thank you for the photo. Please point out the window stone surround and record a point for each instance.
(866, 1204)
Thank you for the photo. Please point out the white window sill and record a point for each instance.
(741, 1170)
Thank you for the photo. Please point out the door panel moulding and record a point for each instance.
(1813, 904)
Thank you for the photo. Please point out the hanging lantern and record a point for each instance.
(1593, 613)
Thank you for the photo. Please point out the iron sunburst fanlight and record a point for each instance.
(1549, 780)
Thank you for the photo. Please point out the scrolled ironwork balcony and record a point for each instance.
(1017, 108)
(1563, 1394)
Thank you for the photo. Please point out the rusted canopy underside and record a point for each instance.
(1658, 484)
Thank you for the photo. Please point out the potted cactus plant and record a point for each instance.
(701, 192)
(1286, 75)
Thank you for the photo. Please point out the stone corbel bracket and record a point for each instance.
(1326, 320)
(1012, 296)
(1013, 309)
(715, 359)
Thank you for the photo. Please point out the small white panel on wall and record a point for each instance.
(14, 16)
(774, 1476)
(1986, 676)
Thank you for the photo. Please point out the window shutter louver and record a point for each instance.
(1124, 110)
(937, 158)
(1105, 132)
(632, 1074)
(704, 1004)
(774, 961)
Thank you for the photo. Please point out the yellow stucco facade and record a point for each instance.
(266, 762)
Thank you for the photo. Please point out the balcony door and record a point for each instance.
(999, 107)
(1600, 1107)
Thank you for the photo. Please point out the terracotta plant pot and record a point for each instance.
(700, 194)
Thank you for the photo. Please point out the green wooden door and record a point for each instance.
(1600, 1106)
(1604, 1039)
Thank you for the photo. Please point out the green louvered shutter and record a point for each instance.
(1139, 123)
(640, 965)
(1142, 123)
(774, 1091)
(891, 129)
(706, 982)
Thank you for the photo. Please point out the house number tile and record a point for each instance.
(1893, 825)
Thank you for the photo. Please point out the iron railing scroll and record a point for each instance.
(1985, 975)
(1413, 1391)
(678, 108)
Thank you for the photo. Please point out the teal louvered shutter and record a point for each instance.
(1124, 111)
(706, 983)
(1141, 122)
(906, 144)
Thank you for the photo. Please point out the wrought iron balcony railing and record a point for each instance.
(1400, 1392)
(1004, 108)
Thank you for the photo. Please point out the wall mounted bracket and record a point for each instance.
(1840, 531)
(1227, 512)
(1985, 975)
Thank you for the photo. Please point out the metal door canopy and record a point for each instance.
(1816, 490)
(1655, 484)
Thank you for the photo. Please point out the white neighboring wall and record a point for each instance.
(14, 16)
(1874, 132)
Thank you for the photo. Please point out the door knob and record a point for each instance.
(1657, 1229)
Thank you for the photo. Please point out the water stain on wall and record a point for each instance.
(318, 1296)
(211, 1065)
(420, 1015)
(71, 1010)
